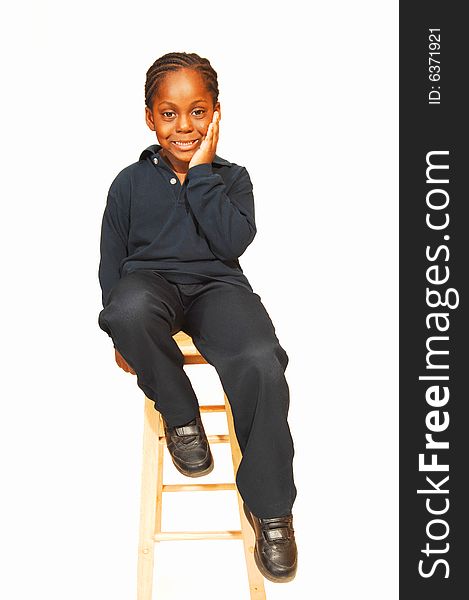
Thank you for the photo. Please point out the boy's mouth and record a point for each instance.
(185, 145)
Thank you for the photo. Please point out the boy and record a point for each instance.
(173, 229)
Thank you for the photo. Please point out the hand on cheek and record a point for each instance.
(206, 152)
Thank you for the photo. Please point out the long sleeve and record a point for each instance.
(114, 239)
(226, 217)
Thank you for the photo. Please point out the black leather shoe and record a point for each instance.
(275, 553)
(189, 448)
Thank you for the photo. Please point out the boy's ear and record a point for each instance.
(217, 108)
(149, 118)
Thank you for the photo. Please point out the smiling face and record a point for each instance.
(181, 112)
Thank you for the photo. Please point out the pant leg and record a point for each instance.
(143, 312)
(232, 330)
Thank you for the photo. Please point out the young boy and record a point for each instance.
(174, 226)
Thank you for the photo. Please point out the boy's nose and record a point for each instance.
(183, 124)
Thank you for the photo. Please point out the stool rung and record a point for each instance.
(220, 438)
(197, 487)
(212, 408)
(165, 536)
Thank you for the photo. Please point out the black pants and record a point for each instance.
(232, 330)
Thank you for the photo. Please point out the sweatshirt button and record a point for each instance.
(155, 160)
(173, 180)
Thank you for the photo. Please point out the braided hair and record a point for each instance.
(173, 61)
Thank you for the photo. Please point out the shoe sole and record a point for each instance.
(267, 574)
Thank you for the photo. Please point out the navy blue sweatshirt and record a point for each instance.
(189, 233)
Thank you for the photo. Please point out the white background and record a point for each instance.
(308, 92)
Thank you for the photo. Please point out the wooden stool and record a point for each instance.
(153, 488)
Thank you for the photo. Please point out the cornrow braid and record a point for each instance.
(173, 61)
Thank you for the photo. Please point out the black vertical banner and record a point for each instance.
(434, 254)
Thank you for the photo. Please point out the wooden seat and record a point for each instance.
(153, 487)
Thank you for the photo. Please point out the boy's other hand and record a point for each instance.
(122, 363)
(206, 151)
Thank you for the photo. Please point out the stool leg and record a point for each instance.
(159, 474)
(256, 580)
(148, 506)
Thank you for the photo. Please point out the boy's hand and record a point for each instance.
(206, 151)
(122, 363)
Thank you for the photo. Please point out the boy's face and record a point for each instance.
(182, 110)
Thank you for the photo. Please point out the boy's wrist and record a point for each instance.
(200, 169)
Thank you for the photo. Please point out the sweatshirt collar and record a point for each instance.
(155, 148)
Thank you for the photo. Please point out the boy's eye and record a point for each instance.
(168, 113)
(199, 111)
